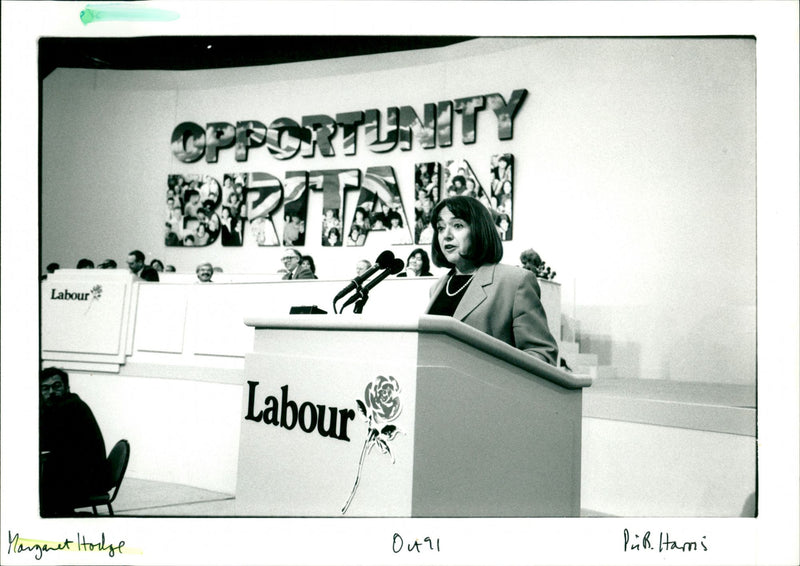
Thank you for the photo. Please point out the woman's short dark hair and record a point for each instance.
(426, 261)
(487, 247)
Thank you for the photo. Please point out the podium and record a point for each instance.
(356, 416)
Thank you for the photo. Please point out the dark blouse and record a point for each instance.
(445, 304)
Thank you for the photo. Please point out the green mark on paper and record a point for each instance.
(125, 13)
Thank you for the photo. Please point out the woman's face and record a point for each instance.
(455, 240)
(415, 262)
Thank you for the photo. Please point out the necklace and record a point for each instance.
(447, 287)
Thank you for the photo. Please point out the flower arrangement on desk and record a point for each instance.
(381, 406)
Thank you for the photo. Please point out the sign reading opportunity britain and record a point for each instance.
(201, 210)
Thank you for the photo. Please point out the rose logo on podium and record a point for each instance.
(97, 292)
(382, 397)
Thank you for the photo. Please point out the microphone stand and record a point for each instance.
(363, 294)
(360, 295)
(363, 297)
(358, 290)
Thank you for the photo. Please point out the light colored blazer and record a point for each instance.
(503, 301)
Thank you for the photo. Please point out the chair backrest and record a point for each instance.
(118, 463)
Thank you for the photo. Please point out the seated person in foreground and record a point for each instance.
(73, 461)
(500, 300)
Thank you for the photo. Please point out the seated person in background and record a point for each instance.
(362, 265)
(500, 300)
(204, 272)
(169, 269)
(308, 262)
(108, 264)
(85, 264)
(149, 274)
(291, 262)
(157, 264)
(73, 461)
(418, 264)
(135, 261)
(530, 260)
(51, 268)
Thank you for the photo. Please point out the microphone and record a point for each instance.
(395, 267)
(383, 261)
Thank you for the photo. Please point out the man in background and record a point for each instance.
(291, 263)
(73, 462)
(204, 272)
(135, 261)
(362, 266)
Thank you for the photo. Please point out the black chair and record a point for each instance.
(117, 464)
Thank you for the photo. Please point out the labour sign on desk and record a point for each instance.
(326, 437)
(84, 315)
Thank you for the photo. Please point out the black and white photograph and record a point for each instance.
(584, 345)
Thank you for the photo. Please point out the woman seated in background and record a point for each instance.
(500, 300)
(418, 264)
(308, 261)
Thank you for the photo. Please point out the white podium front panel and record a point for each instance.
(85, 316)
(295, 460)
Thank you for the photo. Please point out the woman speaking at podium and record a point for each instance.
(500, 300)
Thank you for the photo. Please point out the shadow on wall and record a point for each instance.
(624, 357)
(750, 507)
(721, 347)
